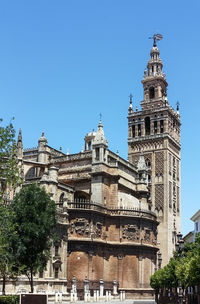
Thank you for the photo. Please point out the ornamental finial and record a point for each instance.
(131, 97)
(177, 106)
(155, 38)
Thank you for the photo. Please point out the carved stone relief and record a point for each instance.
(98, 229)
(130, 232)
(80, 226)
(147, 234)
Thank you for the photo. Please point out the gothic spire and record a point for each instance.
(100, 137)
(20, 144)
(130, 109)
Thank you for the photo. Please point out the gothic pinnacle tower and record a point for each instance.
(155, 130)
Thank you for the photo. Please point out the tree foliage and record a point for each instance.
(183, 269)
(9, 171)
(35, 215)
(9, 179)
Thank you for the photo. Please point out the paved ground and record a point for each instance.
(113, 302)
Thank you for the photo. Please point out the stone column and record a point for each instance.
(95, 296)
(130, 131)
(142, 128)
(101, 287)
(151, 127)
(121, 295)
(165, 125)
(141, 275)
(73, 290)
(136, 130)
(107, 296)
(158, 127)
(114, 287)
(86, 284)
(120, 270)
(74, 284)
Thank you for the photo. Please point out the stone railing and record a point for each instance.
(133, 212)
(77, 156)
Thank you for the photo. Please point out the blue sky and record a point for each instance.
(64, 62)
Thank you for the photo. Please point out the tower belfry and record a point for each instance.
(155, 130)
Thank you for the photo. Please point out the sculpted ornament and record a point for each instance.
(80, 226)
(98, 229)
(130, 232)
(147, 235)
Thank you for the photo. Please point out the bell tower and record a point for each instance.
(155, 131)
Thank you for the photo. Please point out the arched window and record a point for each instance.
(148, 163)
(147, 125)
(61, 200)
(161, 126)
(151, 92)
(31, 173)
(89, 145)
(133, 131)
(81, 196)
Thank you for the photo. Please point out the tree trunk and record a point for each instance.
(4, 285)
(31, 281)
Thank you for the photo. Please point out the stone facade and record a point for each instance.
(109, 209)
(107, 232)
(155, 130)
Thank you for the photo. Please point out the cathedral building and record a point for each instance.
(114, 215)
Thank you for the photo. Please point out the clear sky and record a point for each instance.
(62, 62)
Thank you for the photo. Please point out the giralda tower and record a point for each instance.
(155, 131)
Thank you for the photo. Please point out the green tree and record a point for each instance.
(157, 282)
(9, 179)
(183, 269)
(35, 215)
(9, 171)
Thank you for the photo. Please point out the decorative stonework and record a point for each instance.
(159, 197)
(170, 194)
(98, 229)
(130, 232)
(174, 147)
(159, 162)
(80, 226)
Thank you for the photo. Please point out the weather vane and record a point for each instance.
(100, 115)
(177, 105)
(155, 38)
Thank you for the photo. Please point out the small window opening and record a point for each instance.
(161, 126)
(149, 178)
(89, 145)
(61, 200)
(97, 153)
(155, 127)
(151, 93)
(147, 125)
(152, 69)
(174, 162)
(56, 250)
(139, 130)
(148, 163)
(133, 131)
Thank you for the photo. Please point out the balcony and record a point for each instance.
(130, 212)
